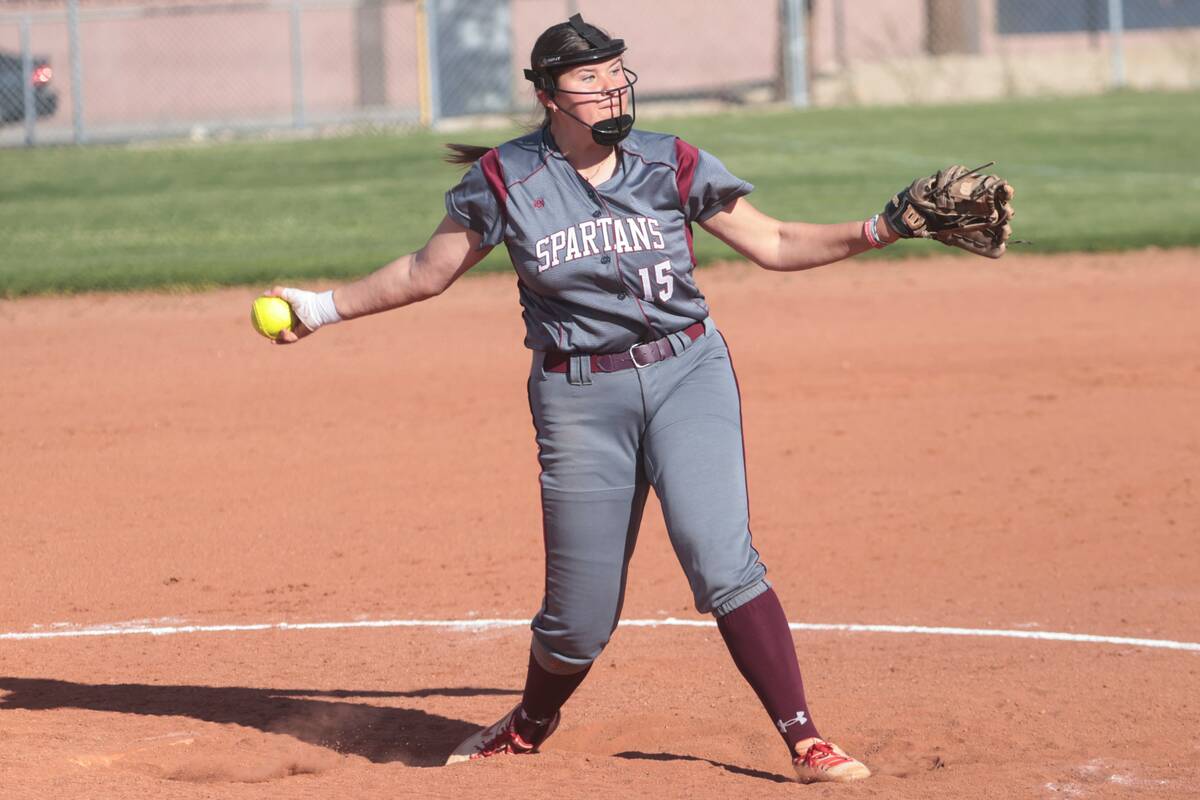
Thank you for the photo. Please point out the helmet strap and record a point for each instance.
(608, 132)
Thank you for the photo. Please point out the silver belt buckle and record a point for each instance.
(633, 358)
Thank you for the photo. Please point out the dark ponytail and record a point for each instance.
(558, 39)
(465, 153)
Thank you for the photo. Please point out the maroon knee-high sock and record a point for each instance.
(760, 641)
(545, 693)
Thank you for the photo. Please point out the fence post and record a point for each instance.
(432, 34)
(839, 34)
(76, 71)
(1116, 29)
(27, 80)
(297, 67)
(794, 56)
(369, 46)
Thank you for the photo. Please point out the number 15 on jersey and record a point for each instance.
(662, 278)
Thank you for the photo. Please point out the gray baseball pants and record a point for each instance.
(603, 440)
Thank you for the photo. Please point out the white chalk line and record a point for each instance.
(128, 629)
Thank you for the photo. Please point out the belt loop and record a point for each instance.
(680, 341)
(709, 325)
(579, 370)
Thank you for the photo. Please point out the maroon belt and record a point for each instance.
(639, 355)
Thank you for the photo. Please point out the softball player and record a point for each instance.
(631, 385)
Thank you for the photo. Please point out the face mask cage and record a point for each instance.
(606, 132)
(631, 78)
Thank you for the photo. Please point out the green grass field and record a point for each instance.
(1098, 173)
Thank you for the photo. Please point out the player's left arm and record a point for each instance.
(788, 246)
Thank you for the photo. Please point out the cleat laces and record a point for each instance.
(821, 756)
(506, 741)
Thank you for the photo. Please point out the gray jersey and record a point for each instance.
(599, 268)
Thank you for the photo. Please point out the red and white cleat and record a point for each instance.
(500, 738)
(825, 761)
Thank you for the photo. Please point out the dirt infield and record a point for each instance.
(931, 443)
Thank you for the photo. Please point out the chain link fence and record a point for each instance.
(926, 51)
(117, 70)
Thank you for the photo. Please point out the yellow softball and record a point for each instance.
(270, 315)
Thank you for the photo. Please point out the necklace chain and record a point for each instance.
(599, 168)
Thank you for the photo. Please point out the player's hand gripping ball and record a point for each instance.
(270, 316)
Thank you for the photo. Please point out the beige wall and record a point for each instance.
(887, 60)
(224, 65)
(205, 66)
(218, 65)
(874, 30)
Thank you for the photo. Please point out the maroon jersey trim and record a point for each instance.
(493, 173)
(687, 156)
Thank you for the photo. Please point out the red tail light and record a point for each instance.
(42, 75)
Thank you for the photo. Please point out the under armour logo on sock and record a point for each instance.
(800, 719)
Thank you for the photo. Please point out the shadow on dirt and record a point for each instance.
(378, 733)
(749, 773)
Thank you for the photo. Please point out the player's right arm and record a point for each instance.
(450, 251)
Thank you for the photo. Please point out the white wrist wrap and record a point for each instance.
(312, 309)
(326, 309)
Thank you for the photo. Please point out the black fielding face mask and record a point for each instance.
(611, 131)
(606, 132)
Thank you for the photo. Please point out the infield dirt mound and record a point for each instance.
(943, 442)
